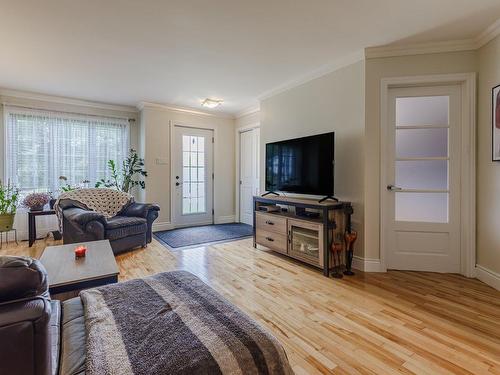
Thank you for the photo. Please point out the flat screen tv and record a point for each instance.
(302, 165)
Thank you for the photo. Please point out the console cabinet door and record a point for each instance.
(305, 241)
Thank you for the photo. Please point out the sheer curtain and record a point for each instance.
(41, 145)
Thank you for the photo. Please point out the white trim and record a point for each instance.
(191, 111)
(17, 94)
(247, 111)
(468, 155)
(420, 48)
(324, 70)
(470, 44)
(225, 219)
(490, 33)
(488, 276)
(237, 142)
(158, 227)
(367, 265)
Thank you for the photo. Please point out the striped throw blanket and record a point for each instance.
(173, 323)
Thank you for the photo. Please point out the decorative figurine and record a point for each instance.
(350, 238)
(336, 251)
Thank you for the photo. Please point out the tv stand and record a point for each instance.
(328, 197)
(307, 238)
(269, 193)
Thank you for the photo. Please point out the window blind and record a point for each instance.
(40, 146)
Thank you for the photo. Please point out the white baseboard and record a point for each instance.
(367, 265)
(488, 276)
(225, 219)
(157, 227)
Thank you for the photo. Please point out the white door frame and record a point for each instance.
(467, 82)
(238, 161)
(172, 125)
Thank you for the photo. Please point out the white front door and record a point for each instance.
(192, 180)
(249, 173)
(421, 197)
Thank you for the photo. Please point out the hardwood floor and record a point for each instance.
(393, 323)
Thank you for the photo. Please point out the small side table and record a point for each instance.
(32, 225)
(7, 237)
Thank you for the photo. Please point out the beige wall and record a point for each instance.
(488, 172)
(334, 102)
(155, 143)
(376, 69)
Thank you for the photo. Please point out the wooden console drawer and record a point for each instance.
(274, 241)
(271, 222)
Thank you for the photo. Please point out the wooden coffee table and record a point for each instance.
(68, 274)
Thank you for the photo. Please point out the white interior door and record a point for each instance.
(421, 202)
(192, 176)
(249, 173)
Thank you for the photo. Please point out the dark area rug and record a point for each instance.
(183, 237)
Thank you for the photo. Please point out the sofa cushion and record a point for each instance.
(55, 334)
(123, 226)
(22, 277)
(73, 342)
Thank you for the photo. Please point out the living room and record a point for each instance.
(293, 188)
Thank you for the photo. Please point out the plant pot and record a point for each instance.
(6, 222)
(37, 208)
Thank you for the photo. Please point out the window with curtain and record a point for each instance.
(40, 146)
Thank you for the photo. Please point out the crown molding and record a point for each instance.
(324, 70)
(420, 48)
(471, 44)
(26, 95)
(490, 33)
(247, 111)
(191, 111)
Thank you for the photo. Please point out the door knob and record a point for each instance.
(393, 188)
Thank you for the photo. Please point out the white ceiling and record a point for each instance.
(182, 51)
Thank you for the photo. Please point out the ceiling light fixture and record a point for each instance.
(211, 103)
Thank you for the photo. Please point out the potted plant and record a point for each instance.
(8, 205)
(126, 179)
(36, 201)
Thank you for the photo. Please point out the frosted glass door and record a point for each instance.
(421, 153)
(192, 179)
(421, 158)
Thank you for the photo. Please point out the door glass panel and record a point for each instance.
(415, 143)
(422, 110)
(193, 150)
(422, 174)
(305, 242)
(427, 207)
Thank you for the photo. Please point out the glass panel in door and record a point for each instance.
(193, 175)
(305, 243)
(422, 159)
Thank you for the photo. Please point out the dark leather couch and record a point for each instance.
(37, 336)
(130, 228)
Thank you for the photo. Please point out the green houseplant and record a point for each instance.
(9, 196)
(129, 176)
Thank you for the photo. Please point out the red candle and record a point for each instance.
(80, 251)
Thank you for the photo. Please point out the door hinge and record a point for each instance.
(213, 212)
(213, 140)
(212, 176)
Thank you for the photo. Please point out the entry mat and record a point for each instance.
(183, 237)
